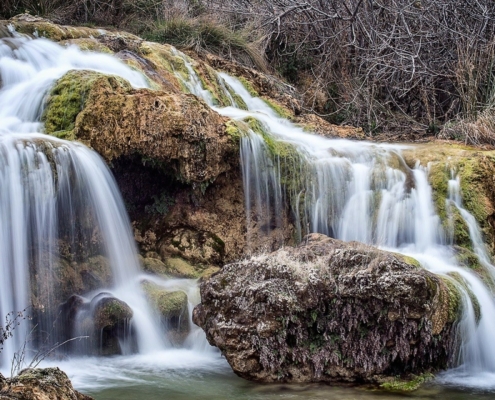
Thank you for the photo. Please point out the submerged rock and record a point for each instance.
(39, 384)
(329, 311)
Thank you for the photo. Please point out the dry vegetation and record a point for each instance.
(386, 65)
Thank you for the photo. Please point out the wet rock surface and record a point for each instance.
(329, 311)
(39, 384)
(97, 327)
(171, 306)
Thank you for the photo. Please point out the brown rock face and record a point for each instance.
(328, 311)
(40, 384)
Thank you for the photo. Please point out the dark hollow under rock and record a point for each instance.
(329, 311)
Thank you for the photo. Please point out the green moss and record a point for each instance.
(249, 86)
(410, 260)
(89, 44)
(66, 101)
(236, 130)
(279, 109)
(407, 385)
(474, 300)
(155, 266)
(439, 180)
(454, 299)
(277, 148)
(238, 99)
(68, 98)
(169, 304)
(468, 259)
(473, 194)
(164, 57)
(180, 267)
(111, 312)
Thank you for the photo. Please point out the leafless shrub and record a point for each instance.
(12, 321)
(379, 58)
(477, 131)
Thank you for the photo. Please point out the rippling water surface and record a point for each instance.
(185, 374)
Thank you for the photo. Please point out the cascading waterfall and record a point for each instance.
(54, 189)
(363, 192)
(352, 191)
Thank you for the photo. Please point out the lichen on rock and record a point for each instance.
(329, 311)
(39, 384)
(172, 308)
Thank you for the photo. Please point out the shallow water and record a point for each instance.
(185, 374)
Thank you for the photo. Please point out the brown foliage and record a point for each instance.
(373, 59)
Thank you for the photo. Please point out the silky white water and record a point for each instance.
(357, 191)
(53, 188)
(352, 191)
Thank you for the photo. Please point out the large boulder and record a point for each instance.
(39, 384)
(329, 311)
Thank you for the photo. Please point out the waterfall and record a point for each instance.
(53, 189)
(358, 191)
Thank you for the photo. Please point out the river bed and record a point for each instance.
(186, 374)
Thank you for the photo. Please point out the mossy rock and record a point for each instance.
(249, 86)
(408, 384)
(280, 110)
(408, 260)
(236, 130)
(468, 259)
(108, 312)
(453, 299)
(88, 44)
(168, 303)
(154, 266)
(474, 300)
(165, 60)
(475, 170)
(67, 99)
(181, 268)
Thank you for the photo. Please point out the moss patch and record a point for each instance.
(454, 299)
(474, 300)
(68, 98)
(279, 109)
(168, 303)
(181, 268)
(468, 259)
(407, 385)
(249, 86)
(408, 260)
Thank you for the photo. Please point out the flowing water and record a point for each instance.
(364, 192)
(54, 189)
(351, 191)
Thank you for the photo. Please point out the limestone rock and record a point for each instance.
(40, 384)
(179, 132)
(109, 312)
(172, 308)
(329, 311)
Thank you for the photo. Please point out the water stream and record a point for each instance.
(365, 192)
(54, 189)
(348, 190)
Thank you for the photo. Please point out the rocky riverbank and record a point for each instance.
(39, 384)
